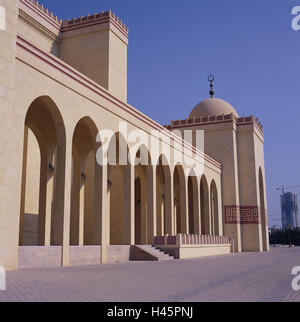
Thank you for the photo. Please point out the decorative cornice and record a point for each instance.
(31, 22)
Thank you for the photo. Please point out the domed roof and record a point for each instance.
(212, 107)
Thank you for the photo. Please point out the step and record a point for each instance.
(155, 252)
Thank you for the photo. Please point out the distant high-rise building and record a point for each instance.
(289, 210)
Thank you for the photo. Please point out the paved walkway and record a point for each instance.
(235, 277)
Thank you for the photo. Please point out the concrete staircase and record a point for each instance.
(148, 253)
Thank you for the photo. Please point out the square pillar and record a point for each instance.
(129, 224)
(169, 200)
(151, 204)
(184, 211)
(105, 213)
(65, 202)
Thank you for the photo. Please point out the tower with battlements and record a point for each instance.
(238, 144)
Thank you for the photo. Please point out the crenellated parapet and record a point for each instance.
(101, 17)
(207, 120)
(250, 119)
(95, 18)
(44, 11)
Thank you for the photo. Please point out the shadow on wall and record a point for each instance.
(31, 222)
(55, 48)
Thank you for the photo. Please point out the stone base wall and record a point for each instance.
(39, 256)
(203, 251)
(197, 251)
(50, 256)
(85, 255)
(118, 253)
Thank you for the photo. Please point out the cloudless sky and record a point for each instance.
(248, 44)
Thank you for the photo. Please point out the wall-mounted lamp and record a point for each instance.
(83, 176)
(51, 168)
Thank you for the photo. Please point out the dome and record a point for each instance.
(212, 107)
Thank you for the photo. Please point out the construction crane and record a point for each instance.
(284, 188)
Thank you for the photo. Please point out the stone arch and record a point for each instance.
(263, 213)
(180, 201)
(85, 190)
(44, 154)
(214, 208)
(204, 202)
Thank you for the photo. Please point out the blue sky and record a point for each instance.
(248, 44)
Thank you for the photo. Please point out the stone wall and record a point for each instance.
(36, 256)
(50, 256)
(116, 254)
(85, 255)
(10, 168)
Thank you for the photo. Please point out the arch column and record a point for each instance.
(169, 207)
(210, 222)
(81, 212)
(129, 226)
(196, 206)
(78, 203)
(75, 191)
(45, 200)
(103, 222)
(160, 204)
(90, 197)
(62, 176)
(99, 200)
(144, 231)
(151, 204)
(214, 211)
(65, 204)
(205, 207)
(184, 205)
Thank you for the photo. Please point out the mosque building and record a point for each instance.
(86, 178)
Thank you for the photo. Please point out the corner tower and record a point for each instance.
(96, 45)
